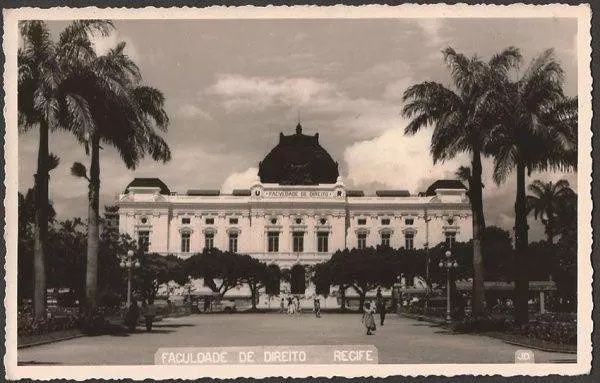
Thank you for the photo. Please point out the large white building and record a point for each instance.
(298, 211)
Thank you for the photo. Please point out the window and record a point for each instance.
(450, 239)
(185, 242)
(362, 221)
(185, 221)
(233, 221)
(233, 242)
(385, 239)
(209, 240)
(273, 221)
(144, 220)
(298, 244)
(450, 221)
(273, 241)
(144, 240)
(385, 221)
(362, 241)
(409, 221)
(210, 221)
(323, 221)
(409, 241)
(322, 241)
(298, 221)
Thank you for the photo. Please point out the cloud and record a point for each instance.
(189, 112)
(395, 90)
(432, 29)
(259, 93)
(241, 180)
(396, 160)
(103, 44)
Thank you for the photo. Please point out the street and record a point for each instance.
(401, 340)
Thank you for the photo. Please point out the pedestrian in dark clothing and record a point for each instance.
(132, 315)
(380, 306)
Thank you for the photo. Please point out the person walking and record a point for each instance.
(149, 312)
(317, 304)
(297, 308)
(380, 306)
(282, 307)
(290, 306)
(368, 319)
(132, 315)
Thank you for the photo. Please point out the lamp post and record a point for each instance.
(129, 262)
(449, 263)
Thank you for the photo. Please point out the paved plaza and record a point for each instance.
(401, 340)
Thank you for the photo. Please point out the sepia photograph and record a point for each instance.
(260, 192)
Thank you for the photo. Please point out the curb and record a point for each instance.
(47, 341)
(432, 320)
(537, 347)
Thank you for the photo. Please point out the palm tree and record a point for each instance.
(535, 130)
(461, 123)
(124, 114)
(44, 102)
(545, 203)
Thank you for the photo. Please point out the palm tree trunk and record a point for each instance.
(93, 239)
(475, 193)
(521, 277)
(41, 226)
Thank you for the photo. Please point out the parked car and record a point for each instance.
(213, 303)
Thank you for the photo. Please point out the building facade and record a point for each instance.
(298, 211)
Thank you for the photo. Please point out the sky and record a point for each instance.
(231, 86)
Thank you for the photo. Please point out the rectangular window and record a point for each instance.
(209, 240)
(409, 221)
(362, 221)
(233, 221)
(322, 242)
(409, 241)
(185, 242)
(385, 221)
(450, 239)
(233, 242)
(385, 239)
(185, 221)
(210, 221)
(298, 244)
(144, 240)
(362, 241)
(273, 238)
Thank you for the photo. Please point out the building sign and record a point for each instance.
(300, 194)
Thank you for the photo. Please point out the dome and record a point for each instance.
(298, 159)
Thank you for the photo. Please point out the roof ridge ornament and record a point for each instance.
(299, 128)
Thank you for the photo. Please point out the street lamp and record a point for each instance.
(449, 263)
(129, 262)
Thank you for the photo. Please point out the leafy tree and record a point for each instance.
(461, 122)
(498, 254)
(535, 129)
(273, 281)
(155, 270)
(220, 270)
(47, 101)
(322, 278)
(544, 202)
(255, 274)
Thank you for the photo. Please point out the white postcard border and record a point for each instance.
(584, 346)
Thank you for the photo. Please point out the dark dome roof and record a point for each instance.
(444, 184)
(298, 159)
(149, 182)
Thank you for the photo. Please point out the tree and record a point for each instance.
(461, 124)
(155, 270)
(46, 101)
(499, 254)
(535, 129)
(124, 114)
(255, 274)
(545, 201)
(220, 270)
(273, 281)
